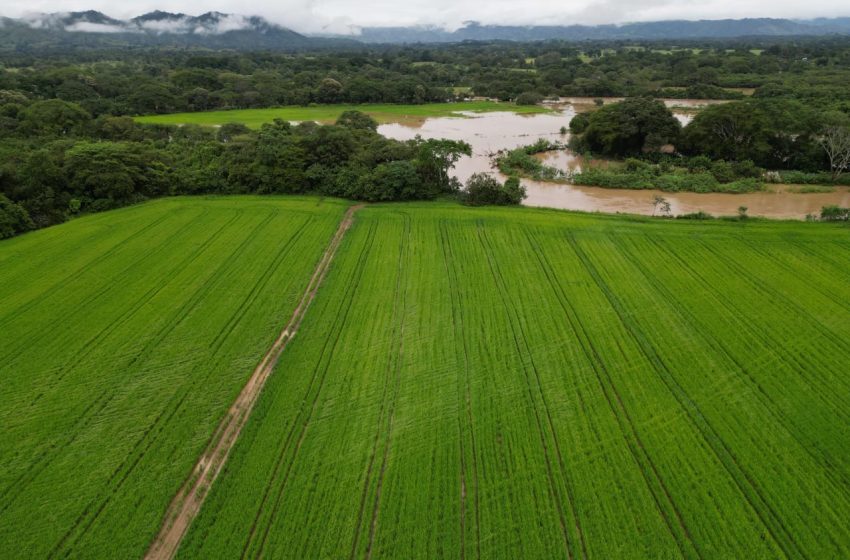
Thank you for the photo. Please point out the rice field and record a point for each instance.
(467, 383)
(126, 336)
(527, 384)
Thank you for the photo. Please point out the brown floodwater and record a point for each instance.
(490, 132)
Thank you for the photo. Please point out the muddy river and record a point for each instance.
(490, 132)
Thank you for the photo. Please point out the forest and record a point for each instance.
(69, 145)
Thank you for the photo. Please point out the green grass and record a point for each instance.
(254, 118)
(534, 384)
(478, 383)
(126, 336)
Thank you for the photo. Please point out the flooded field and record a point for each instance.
(490, 132)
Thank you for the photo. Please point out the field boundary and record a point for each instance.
(186, 504)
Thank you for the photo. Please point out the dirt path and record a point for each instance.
(189, 499)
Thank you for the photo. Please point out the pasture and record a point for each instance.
(383, 113)
(468, 383)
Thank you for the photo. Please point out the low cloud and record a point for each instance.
(348, 16)
(89, 27)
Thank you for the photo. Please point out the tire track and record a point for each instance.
(682, 310)
(839, 302)
(401, 289)
(74, 431)
(91, 344)
(367, 482)
(786, 302)
(747, 486)
(520, 341)
(145, 442)
(457, 328)
(331, 342)
(640, 455)
(179, 398)
(189, 499)
(826, 394)
(347, 296)
(23, 308)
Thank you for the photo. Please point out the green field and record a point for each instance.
(126, 336)
(473, 383)
(254, 118)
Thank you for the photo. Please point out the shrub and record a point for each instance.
(529, 98)
(484, 189)
(834, 213)
(579, 123)
(695, 216)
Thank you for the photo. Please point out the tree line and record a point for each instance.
(132, 82)
(59, 162)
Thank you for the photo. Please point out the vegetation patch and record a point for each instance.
(254, 118)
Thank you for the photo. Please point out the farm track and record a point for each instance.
(472, 383)
(148, 438)
(189, 499)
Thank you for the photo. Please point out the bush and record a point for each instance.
(529, 98)
(579, 123)
(723, 171)
(484, 189)
(695, 216)
(834, 213)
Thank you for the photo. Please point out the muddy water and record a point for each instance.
(490, 132)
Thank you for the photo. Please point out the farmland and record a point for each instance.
(126, 336)
(254, 118)
(488, 383)
(525, 384)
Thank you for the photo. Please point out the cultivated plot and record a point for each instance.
(126, 336)
(527, 384)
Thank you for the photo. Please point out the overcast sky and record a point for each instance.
(343, 15)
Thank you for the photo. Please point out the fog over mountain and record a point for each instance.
(221, 30)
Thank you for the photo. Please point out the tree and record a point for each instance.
(357, 120)
(54, 117)
(529, 98)
(110, 174)
(631, 127)
(13, 218)
(659, 201)
(835, 141)
(484, 189)
(329, 91)
(434, 160)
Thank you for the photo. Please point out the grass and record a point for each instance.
(493, 383)
(126, 337)
(254, 118)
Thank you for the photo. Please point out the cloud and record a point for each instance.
(180, 25)
(89, 27)
(347, 16)
(223, 24)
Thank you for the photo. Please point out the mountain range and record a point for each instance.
(92, 29)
